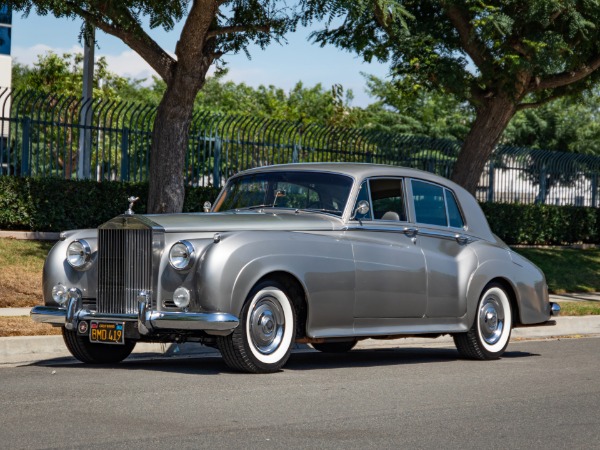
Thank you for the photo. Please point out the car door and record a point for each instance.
(444, 240)
(391, 278)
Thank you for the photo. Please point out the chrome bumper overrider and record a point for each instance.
(147, 320)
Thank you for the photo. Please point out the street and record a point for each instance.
(541, 394)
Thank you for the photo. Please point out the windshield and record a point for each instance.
(327, 192)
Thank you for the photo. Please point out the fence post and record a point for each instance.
(542, 194)
(295, 153)
(491, 183)
(125, 155)
(25, 169)
(595, 190)
(217, 166)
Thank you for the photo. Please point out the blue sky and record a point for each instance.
(278, 65)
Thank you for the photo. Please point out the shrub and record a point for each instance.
(543, 224)
(54, 204)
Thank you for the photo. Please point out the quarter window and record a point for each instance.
(454, 215)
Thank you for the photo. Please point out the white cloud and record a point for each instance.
(29, 55)
(127, 63)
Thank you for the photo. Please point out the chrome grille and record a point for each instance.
(124, 268)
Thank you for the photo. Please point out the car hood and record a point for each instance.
(245, 220)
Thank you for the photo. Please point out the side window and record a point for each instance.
(388, 199)
(454, 215)
(430, 207)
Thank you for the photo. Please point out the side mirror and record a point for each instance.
(362, 208)
(206, 207)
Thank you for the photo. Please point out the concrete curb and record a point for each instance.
(33, 235)
(23, 350)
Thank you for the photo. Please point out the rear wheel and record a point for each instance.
(88, 352)
(490, 333)
(263, 341)
(335, 347)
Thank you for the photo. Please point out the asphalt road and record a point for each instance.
(542, 394)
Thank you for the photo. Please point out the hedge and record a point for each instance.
(54, 204)
(543, 224)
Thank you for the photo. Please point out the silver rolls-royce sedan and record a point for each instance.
(324, 254)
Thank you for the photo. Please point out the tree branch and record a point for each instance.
(235, 29)
(467, 36)
(138, 40)
(566, 78)
(531, 105)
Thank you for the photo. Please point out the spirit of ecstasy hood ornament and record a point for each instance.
(131, 201)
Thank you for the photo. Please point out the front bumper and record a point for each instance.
(148, 320)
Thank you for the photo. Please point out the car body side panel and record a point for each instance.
(322, 263)
(449, 268)
(391, 275)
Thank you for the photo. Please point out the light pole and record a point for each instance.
(85, 118)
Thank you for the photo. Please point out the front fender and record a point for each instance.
(323, 264)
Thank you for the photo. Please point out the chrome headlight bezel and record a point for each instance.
(79, 254)
(182, 255)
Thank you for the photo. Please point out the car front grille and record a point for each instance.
(124, 268)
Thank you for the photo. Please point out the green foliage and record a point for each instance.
(567, 124)
(568, 270)
(63, 75)
(543, 224)
(53, 204)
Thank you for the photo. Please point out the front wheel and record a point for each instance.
(490, 333)
(263, 341)
(88, 352)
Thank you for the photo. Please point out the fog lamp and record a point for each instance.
(60, 294)
(181, 297)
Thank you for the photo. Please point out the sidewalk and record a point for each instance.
(28, 349)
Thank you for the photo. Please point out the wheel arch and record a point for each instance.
(512, 296)
(297, 292)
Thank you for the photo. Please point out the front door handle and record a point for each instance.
(411, 231)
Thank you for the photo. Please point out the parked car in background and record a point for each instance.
(325, 254)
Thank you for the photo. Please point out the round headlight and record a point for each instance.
(181, 255)
(60, 294)
(181, 297)
(79, 254)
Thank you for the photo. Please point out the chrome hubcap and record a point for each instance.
(267, 324)
(491, 320)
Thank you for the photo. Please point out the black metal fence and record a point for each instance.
(43, 135)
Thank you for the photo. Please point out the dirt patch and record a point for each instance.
(24, 326)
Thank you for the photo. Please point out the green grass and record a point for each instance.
(579, 308)
(567, 270)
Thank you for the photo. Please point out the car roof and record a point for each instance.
(475, 218)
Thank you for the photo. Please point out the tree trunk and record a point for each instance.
(170, 140)
(491, 120)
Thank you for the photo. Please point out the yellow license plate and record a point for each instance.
(107, 332)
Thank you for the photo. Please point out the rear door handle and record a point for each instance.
(461, 239)
(411, 231)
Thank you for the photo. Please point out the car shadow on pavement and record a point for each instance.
(299, 361)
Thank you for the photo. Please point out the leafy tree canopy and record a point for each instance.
(501, 56)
